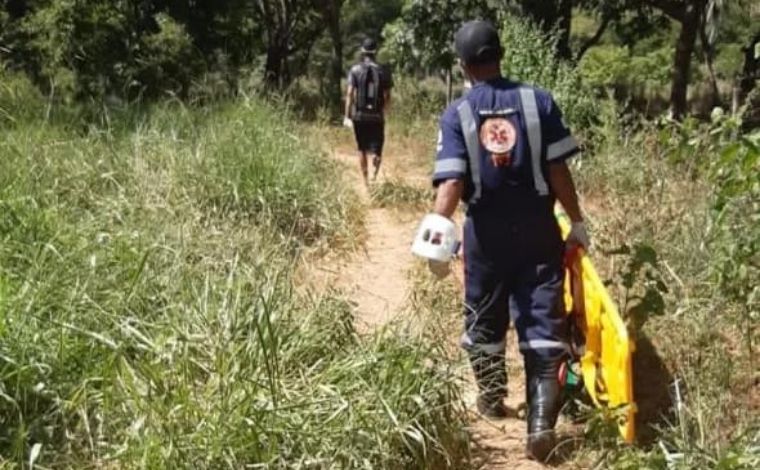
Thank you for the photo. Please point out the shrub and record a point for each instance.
(682, 197)
(148, 316)
(529, 57)
(103, 49)
(398, 194)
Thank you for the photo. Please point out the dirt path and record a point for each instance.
(376, 279)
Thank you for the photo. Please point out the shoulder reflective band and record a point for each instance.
(533, 125)
(450, 165)
(557, 149)
(470, 131)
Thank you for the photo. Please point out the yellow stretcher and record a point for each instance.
(606, 359)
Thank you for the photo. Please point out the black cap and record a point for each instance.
(369, 46)
(477, 42)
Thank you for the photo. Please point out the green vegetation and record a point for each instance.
(676, 215)
(147, 313)
(157, 191)
(398, 194)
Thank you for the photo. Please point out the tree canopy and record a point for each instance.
(77, 49)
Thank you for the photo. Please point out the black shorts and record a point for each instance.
(370, 136)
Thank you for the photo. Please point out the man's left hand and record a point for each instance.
(578, 236)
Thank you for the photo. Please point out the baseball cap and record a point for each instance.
(477, 42)
(369, 46)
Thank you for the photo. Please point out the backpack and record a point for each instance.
(369, 93)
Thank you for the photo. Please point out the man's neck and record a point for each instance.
(487, 77)
(484, 72)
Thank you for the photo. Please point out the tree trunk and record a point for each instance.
(682, 62)
(275, 68)
(552, 16)
(709, 54)
(564, 24)
(750, 70)
(333, 17)
(593, 40)
(735, 94)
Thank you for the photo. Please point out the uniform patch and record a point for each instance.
(498, 136)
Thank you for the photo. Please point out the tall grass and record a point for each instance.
(147, 311)
(651, 207)
(399, 195)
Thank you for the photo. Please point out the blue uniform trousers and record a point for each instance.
(514, 266)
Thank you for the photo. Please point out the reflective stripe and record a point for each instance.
(559, 148)
(449, 165)
(533, 125)
(471, 140)
(484, 348)
(498, 112)
(542, 344)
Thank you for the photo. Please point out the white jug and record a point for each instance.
(436, 238)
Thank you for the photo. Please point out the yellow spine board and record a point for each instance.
(606, 361)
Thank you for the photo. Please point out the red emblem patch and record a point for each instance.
(498, 136)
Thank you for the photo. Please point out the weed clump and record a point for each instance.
(148, 316)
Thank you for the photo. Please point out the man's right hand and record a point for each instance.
(348, 123)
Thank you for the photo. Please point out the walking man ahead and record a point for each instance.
(367, 100)
(502, 150)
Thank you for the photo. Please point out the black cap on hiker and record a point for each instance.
(369, 46)
(477, 42)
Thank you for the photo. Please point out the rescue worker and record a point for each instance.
(368, 98)
(502, 150)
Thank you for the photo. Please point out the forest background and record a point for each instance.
(140, 139)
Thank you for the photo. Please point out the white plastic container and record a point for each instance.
(436, 239)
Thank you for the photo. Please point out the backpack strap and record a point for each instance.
(374, 88)
(472, 142)
(535, 141)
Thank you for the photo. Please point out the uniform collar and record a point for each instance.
(493, 82)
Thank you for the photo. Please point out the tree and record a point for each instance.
(609, 12)
(553, 17)
(750, 73)
(331, 14)
(424, 34)
(697, 19)
(690, 14)
(289, 27)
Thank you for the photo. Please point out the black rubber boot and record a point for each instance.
(491, 376)
(544, 398)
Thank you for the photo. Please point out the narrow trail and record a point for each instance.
(375, 276)
(376, 280)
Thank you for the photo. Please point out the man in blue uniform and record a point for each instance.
(502, 150)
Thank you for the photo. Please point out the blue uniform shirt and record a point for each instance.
(511, 188)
